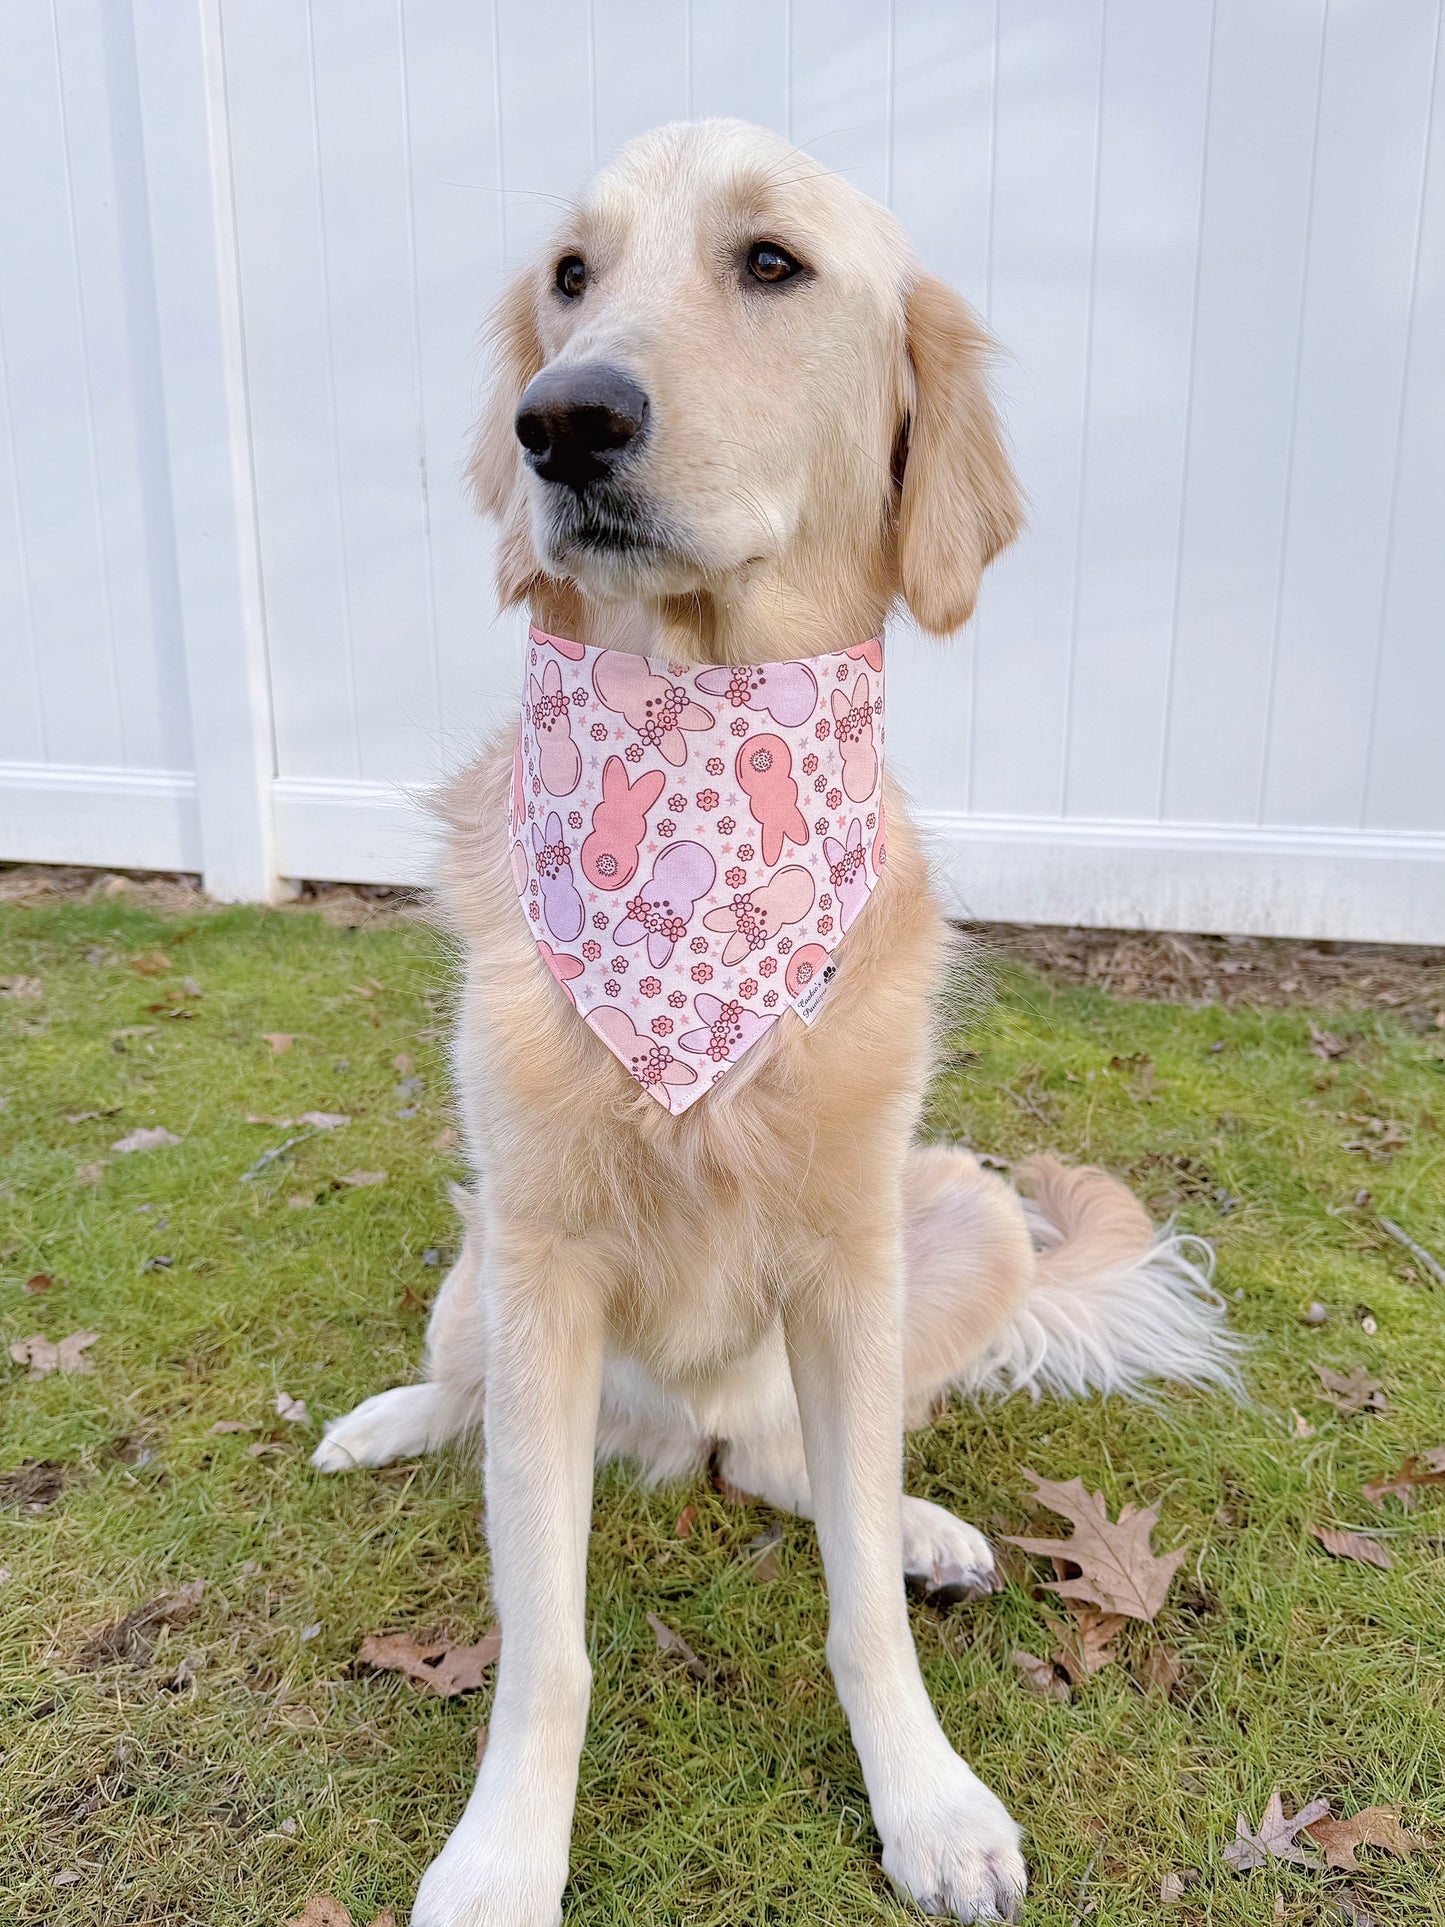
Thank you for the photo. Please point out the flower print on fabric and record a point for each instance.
(689, 845)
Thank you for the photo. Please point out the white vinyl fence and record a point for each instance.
(245, 246)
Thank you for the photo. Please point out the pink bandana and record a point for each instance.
(690, 844)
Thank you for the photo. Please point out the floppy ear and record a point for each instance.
(960, 502)
(496, 465)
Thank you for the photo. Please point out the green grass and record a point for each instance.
(283, 1769)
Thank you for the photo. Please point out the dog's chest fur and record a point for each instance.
(693, 1228)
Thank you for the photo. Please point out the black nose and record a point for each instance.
(575, 422)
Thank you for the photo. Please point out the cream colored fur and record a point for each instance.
(776, 1276)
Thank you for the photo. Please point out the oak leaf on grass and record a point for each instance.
(1354, 1545)
(1420, 1469)
(442, 1668)
(1119, 1571)
(1351, 1392)
(43, 1358)
(1274, 1839)
(1370, 1827)
(324, 1910)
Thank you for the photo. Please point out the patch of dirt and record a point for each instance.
(350, 905)
(1269, 972)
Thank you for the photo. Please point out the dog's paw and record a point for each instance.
(393, 1425)
(956, 1851)
(945, 1560)
(469, 1885)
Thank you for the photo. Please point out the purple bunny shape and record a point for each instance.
(663, 907)
(561, 902)
(729, 1028)
(848, 872)
(786, 691)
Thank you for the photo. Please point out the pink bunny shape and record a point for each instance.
(729, 1028)
(848, 872)
(786, 691)
(562, 966)
(663, 907)
(764, 772)
(619, 823)
(559, 758)
(853, 727)
(754, 916)
(561, 904)
(649, 1061)
(658, 709)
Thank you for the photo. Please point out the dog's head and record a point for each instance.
(729, 358)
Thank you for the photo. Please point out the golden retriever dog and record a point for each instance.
(733, 422)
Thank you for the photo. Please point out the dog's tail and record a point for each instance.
(1106, 1302)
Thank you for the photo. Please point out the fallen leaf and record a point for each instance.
(229, 1425)
(90, 1173)
(1171, 1887)
(686, 1519)
(298, 1202)
(1351, 1393)
(1119, 1572)
(35, 1484)
(363, 1177)
(323, 1910)
(443, 1669)
(324, 1120)
(145, 1140)
(1428, 1469)
(446, 1140)
(670, 1642)
(1325, 1044)
(1162, 1669)
(293, 1410)
(151, 963)
(1371, 1827)
(1084, 1644)
(764, 1552)
(279, 1040)
(1275, 1839)
(1354, 1545)
(42, 1281)
(131, 1638)
(20, 986)
(1302, 1427)
(1039, 1676)
(43, 1358)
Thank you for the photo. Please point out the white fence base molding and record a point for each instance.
(246, 248)
(1353, 886)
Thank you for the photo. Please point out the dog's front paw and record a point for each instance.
(955, 1851)
(475, 1883)
(945, 1560)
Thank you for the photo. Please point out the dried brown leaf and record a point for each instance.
(670, 1642)
(1371, 1827)
(686, 1520)
(1084, 1647)
(34, 1484)
(1418, 1470)
(1171, 1887)
(90, 1173)
(229, 1425)
(324, 1910)
(1275, 1837)
(1354, 1545)
(1040, 1676)
(363, 1177)
(292, 1410)
(151, 963)
(279, 1040)
(1119, 1572)
(14, 986)
(1162, 1669)
(443, 1669)
(1352, 1392)
(1325, 1044)
(43, 1358)
(41, 1282)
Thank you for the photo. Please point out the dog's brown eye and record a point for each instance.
(768, 262)
(571, 275)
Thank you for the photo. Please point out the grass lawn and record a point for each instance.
(222, 1769)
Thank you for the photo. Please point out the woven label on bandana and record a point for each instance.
(689, 844)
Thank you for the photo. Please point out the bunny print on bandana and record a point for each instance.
(690, 844)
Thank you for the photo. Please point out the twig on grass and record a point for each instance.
(1418, 1252)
